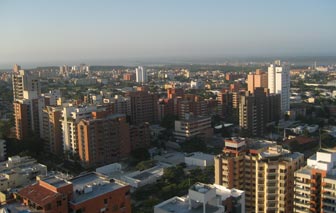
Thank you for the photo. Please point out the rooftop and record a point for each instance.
(56, 181)
(18, 208)
(38, 194)
(180, 205)
(92, 185)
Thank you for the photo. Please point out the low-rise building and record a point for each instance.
(199, 159)
(91, 192)
(193, 126)
(141, 178)
(205, 198)
(19, 171)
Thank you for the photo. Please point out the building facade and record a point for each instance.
(141, 75)
(315, 184)
(263, 170)
(279, 83)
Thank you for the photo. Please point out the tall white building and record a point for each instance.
(70, 118)
(279, 83)
(141, 75)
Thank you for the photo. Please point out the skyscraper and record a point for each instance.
(279, 83)
(141, 75)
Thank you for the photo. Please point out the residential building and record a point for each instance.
(19, 171)
(143, 106)
(141, 75)
(140, 136)
(192, 126)
(228, 105)
(199, 159)
(258, 109)
(26, 91)
(264, 170)
(25, 85)
(175, 92)
(71, 115)
(26, 118)
(257, 79)
(2, 149)
(52, 130)
(205, 198)
(279, 83)
(315, 184)
(103, 139)
(91, 192)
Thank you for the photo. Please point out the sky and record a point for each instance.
(34, 32)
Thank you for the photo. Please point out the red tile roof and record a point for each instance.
(38, 194)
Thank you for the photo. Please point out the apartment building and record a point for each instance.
(205, 198)
(315, 184)
(71, 115)
(103, 139)
(91, 192)
(193, 126)
(19, 171)
(143, 106)
(264, 170)
(257, 79)
(258, 109)
(52, 130)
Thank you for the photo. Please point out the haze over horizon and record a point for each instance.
(104, 32)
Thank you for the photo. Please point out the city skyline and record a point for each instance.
(122, 32)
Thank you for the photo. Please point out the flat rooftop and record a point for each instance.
(56, 181)
(91, 185)
(178, 205)
(18, 208)
(142, 176)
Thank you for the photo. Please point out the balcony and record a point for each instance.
(302, 197)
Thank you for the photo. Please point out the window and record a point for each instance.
(105, 201)
(59, 203)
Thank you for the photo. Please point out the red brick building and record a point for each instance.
(91, 192)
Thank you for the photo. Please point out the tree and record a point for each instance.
(143, 165)
(194, 144)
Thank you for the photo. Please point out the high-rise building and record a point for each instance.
(174, 92)
(25, 85)
(279, 83)
(257, 79)
(264, 170)
(71, 116)
(103, 139)
(26, 91)
(256, 110)
(141, 75)
(140, 136)
(143, 106)
(228, 105)
(315, 184)
(52, 130)
(16, 68)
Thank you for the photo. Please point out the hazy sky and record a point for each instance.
(65, 31)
